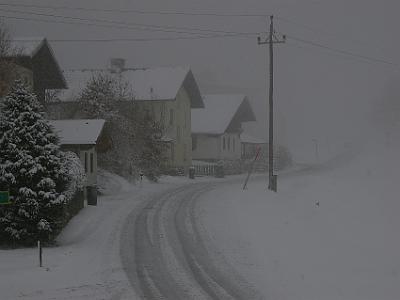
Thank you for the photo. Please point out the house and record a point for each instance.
(168, 94)
(37, 66)
(82, 137)
(216, 129)
(250, 146)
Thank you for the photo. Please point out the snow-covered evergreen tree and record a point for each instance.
(31, 169)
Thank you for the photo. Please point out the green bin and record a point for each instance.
(192, 172)
(91, 195)
(219, 171)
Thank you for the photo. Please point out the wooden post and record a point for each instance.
(40, 254)
(251, 168)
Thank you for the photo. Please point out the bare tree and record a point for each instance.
(135, 136)
(7, 63)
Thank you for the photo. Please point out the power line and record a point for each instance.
(145, 39)
(344, 52)
(136, 26)
(324, 32)
(183, 13)
(193, 37)
(145, 12)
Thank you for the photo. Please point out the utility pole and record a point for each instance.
(271, 40)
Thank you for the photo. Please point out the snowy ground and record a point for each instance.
(290, 248)
(284, 245)
(86, 264)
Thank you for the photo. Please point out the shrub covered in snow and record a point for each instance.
(31, 170)
(75, 173)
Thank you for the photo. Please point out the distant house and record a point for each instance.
(250, 144)
(37, 66)
(216, 129)
(168, 94)
(83, 138)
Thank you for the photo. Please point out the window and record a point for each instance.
(86, 162)
(147, 113)
(91, 162)
(172, 152)
(171, 117)
(184, 152)
(162, 113)
(194, 142)
(229, 143)
(233, 144)
(223, 143)
(178, 133)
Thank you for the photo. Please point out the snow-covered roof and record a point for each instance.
(219, 111)
(78, 132)
(147, 84)
(28, 46)
(245, 138)
(156, 83)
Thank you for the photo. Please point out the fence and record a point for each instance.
(205, 169)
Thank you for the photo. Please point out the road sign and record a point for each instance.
(4, 197)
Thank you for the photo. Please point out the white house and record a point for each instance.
(250, 145)
(82, 137)
(216, 129)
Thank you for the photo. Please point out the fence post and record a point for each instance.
(40, 254)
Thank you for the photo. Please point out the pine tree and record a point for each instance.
(31, 169)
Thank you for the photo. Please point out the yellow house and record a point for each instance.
(168, 94)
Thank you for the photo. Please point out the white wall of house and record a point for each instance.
(209, 147)
(230, 146)
(175, 115)
(88, 159)
(206, 147)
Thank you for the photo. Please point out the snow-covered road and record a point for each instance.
(167, 255)
(86, 263)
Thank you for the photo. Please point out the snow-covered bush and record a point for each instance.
(30, 169)
(75, 172)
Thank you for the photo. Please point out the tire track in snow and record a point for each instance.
(166, 257)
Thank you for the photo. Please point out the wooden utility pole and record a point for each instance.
(271, 40)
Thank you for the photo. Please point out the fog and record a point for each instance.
(337, 90)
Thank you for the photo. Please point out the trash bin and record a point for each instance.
(91, 195)
(191, 172)
(219, 171)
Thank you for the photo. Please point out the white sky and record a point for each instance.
(319, 94)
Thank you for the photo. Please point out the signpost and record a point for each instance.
(5, 198)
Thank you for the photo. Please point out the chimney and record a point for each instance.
(117, 65)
